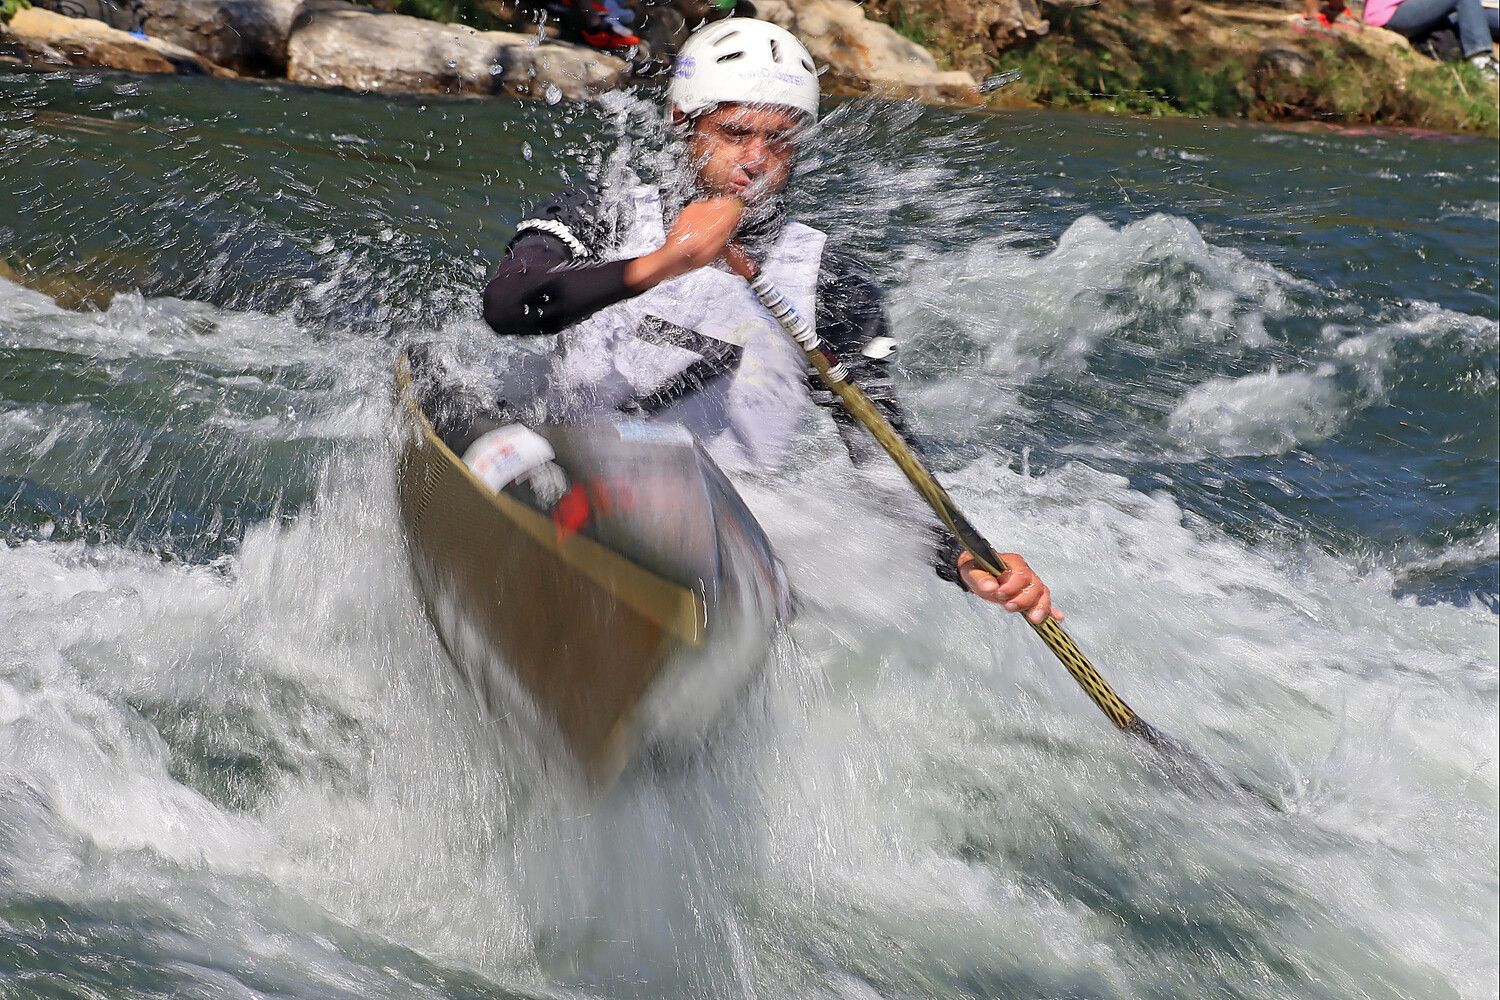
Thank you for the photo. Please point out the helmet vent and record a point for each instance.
(730, 57)
(808, 66)
(775, 51)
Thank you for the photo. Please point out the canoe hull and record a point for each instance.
(603, 651)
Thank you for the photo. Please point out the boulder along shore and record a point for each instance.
(1153, 57)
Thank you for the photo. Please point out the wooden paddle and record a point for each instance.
(1183, 762)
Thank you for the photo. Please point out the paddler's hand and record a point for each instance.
(1017, 589)
(698, 238)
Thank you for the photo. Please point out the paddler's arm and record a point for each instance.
(548, 282)
(540, 288)
(852, 319)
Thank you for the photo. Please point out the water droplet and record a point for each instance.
(551, 94)
(526, 150)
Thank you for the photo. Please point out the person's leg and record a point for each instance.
(1473, 29)
(1414, 18)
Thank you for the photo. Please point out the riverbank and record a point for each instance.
(374, 49)
(1162, 57)
(1168, 57)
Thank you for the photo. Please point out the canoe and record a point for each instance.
(603, 581)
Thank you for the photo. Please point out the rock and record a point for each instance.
(71, 289)
(864, 55)
(249, 36)
(344, 47)
(1284, 62)
(115, 13)
(997, 24)
(79, 41)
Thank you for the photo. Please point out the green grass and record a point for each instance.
(8, 8)
(1409, 91)
(447, 11)
(1108, 63)
(1466, 96)
(915, 23)
(1141, 78)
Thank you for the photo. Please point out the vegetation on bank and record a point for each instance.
(921, 26)
(470, 12)
(1235, 59)
(1164, 60)
(1169, 57)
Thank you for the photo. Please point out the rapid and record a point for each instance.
(1232, 390)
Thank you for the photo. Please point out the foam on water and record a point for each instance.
(1372, 353)
(1119, 282)
(1258, 414)
(281, 737)
(1152, 288)
(1149, 311)
(245, 769)
(134, 326)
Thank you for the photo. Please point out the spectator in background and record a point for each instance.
(647, 32)
(1326, 17)
(1416, 18)
(606, 24)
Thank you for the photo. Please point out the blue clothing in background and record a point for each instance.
(1414, 18)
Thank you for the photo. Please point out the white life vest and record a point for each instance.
(746, 417)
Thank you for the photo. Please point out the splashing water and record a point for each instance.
(1255, 382)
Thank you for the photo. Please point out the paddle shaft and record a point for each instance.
(833, 375)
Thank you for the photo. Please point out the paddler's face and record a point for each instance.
(744, 150)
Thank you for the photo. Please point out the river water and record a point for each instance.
(1233, 390)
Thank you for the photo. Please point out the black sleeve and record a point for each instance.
(851, 317)
(576, 216)
(551, 276)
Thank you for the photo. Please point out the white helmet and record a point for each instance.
(743, 61)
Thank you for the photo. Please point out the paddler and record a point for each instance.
(655, 324)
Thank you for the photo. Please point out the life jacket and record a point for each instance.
(699, 350)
